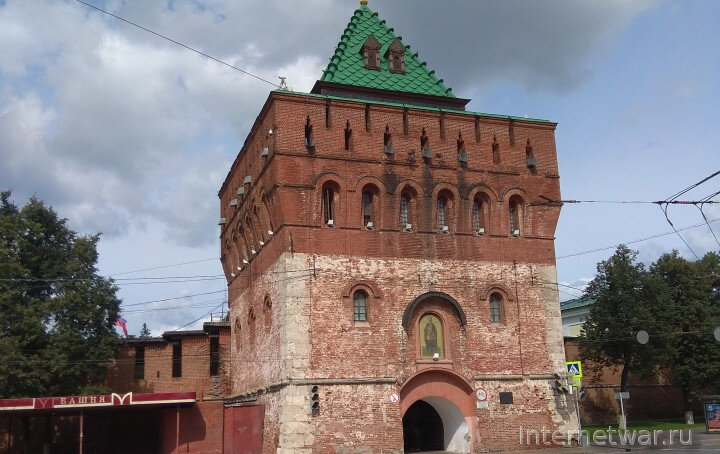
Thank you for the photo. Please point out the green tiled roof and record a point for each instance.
(576, 303)
(347, 65)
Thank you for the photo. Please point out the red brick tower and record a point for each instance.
(382, 245)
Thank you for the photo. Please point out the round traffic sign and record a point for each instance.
(643, 337)
(481, 394)
(394, 398)
(717, 333)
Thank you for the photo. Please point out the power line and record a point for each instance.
(70, 279)
(174, 298)
(664, 207)
(659, 235)
(164, 266)
(180, 44)
(645, 202)
(197, 319)
(700, 207)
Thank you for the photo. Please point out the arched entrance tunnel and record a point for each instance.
(434, 424)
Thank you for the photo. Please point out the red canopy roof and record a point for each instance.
(104, 400)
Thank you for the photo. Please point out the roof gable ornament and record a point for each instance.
(371, 53)
(396, 54)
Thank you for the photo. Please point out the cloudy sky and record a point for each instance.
(127, 134)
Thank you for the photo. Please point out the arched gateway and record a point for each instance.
(438, 412)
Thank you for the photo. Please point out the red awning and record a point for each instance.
(104, 400)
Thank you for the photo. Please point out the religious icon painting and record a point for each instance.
(431, 337)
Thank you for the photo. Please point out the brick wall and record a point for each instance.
(158, 367)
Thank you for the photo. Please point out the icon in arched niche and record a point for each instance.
(431, 337)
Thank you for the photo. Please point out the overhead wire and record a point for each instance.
(164, 266)
(180, 44)
(647, 238)
(197, 319)
(666, 205)
(700, 207)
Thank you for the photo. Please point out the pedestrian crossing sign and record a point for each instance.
(574, 369)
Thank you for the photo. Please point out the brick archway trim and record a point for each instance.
(410, 309)
(438, 383)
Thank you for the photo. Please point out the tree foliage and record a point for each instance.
(621, 309)
(144, 332)
(676, 301)
(56, 311)
(688, 310)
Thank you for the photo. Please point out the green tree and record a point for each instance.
(144, 332)
(688, 305)
(56, 311)
(621, 309)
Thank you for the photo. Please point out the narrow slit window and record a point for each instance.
(328, 122)
(348, 136)
(529, 153)
(424, 140)
(140, 362)
(367, 117)
(495, 150)
(387, 137)
(360, 306)
(406, 122)
(177, 359)
(309, 133)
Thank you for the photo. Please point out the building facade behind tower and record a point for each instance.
(387, 259)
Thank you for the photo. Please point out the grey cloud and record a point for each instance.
(118, 128)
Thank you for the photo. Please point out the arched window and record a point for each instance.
(251, 233)
(442, 212)
(432, 340)
(329, 196)
(408, 208)
(367, 208)
(514, 208)
(404, 210)
(360, 306)
(496, 308)
(479, 213)
(370, 206)
(444, 201)
(477, 218)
